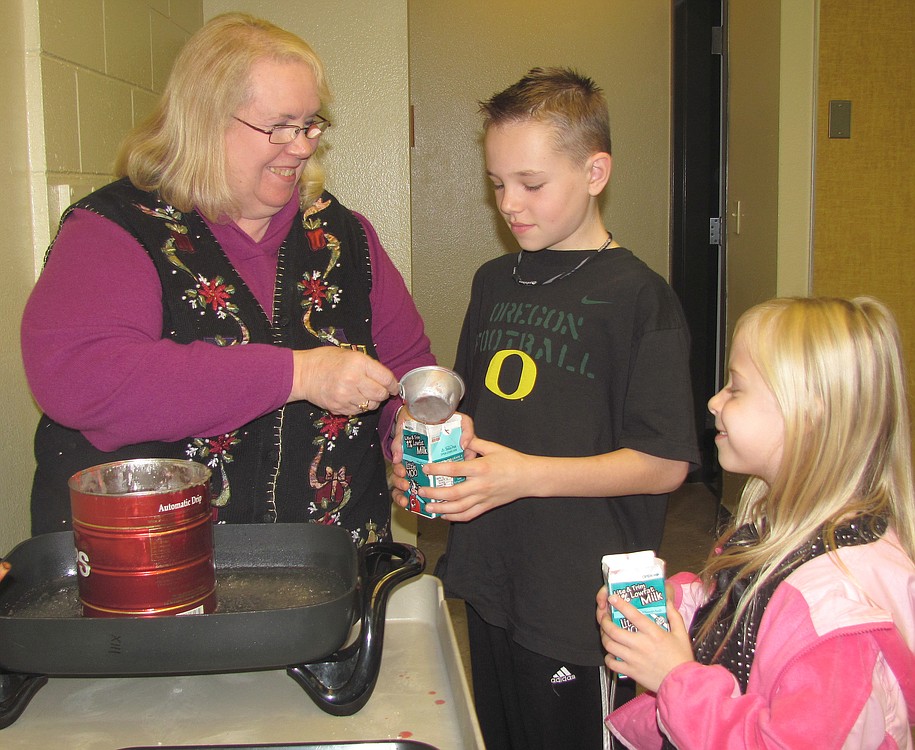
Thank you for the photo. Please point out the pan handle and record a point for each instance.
(343, 683)
(16, 690)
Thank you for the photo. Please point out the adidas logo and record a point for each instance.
(563, 675)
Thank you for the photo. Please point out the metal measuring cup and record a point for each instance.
(431, 393)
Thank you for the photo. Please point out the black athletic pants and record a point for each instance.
(526, 701)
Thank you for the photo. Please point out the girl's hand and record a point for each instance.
(602, 607)
(4, 569)
(649, 654)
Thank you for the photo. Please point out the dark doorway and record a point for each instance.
(698, 231)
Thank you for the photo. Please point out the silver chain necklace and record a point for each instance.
(558, 276)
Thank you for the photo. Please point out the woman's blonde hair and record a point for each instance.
(835, 368)
(179, 149)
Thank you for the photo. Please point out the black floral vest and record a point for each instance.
(297, 464)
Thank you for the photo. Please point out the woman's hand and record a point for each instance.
(342, 381)
(648, 654)
(4, 569)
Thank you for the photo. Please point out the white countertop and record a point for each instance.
(421, 695)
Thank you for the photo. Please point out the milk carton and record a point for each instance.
(638, 578)
(427, 443)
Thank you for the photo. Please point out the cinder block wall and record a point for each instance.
(94, 69)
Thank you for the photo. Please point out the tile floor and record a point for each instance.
(688, 536)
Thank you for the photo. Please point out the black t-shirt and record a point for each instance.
(588, 364)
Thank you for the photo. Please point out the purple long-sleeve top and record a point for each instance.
(96, 360)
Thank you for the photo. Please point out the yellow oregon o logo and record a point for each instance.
(525, 382)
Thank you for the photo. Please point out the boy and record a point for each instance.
(575, 355)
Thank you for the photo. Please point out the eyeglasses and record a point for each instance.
(282, 134)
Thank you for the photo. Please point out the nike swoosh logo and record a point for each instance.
(586, 300)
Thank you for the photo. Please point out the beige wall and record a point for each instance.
(367, 150)
(75, 76)
(462, 52)
(797, 83)
(770, 159)
(94, 69)
(753, 148)
(19, 414)
(753, 93)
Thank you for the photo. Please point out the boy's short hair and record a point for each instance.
(572, 104)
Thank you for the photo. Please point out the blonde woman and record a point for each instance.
(215, 303)
(801, 631)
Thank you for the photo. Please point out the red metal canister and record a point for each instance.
(144, 538)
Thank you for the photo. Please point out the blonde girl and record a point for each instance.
(801, 630)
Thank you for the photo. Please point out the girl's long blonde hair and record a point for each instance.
(179, 149)
(835, 368)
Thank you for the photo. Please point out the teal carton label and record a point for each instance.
(429, 443)
(638, 578)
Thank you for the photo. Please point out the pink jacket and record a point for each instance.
(834, 665)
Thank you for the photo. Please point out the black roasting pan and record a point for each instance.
(289, 595)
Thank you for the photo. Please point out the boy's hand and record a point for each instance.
(400, 483)
(494, 475)
(649, 654)
(467, 435)
(397, 436)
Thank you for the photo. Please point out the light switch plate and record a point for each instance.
(839, 118)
